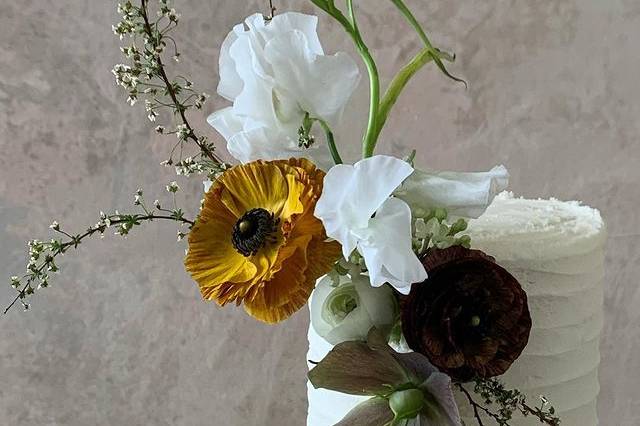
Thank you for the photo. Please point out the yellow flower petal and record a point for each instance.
(212, 259)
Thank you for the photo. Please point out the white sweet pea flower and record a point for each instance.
(352, 195)
(275, 72)
(348, 311)
(462, 194)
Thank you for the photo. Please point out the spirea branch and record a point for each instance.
(506, 403)
(43, 254)
(146, 77)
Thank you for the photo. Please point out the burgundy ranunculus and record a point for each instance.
(470, 317)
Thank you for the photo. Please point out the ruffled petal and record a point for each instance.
(226, 122)
(284, 294)
(321, 85)
(352, 194)
(230, 84)
(255, 185)
(212, 259)
(462, 194)
(387, 248)
(258, 63)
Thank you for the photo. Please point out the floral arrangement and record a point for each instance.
(414, 313)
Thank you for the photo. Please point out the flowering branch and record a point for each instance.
(147, 75)
(42, 254)
(493, 391)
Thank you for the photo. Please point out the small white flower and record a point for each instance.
(348, 311)
(275, 72)
(182, 131)
(352, 195)
(173, 187)
(55, 225)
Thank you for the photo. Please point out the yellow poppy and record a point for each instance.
(257, 241)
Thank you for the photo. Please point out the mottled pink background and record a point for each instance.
(122, 336)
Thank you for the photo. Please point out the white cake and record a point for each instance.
(556, 250)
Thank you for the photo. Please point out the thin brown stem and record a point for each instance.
(148, 28)
(74, 241)
(476, 407)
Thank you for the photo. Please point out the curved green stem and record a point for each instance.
(400, 81)
(350, 24)
(370, 138)
(398, 84)
(331, 142)
(435, 53)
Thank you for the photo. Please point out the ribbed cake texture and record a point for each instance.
(556, 250)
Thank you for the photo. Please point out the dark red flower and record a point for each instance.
(470, 317)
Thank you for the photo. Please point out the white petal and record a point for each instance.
(376, 307)
(388, 252)
(268, 105)
(226, 122)
(230, 84)
(307, 24)
(462, 194)
(321, 85)
(379, 303)
(323, 288)
(352, 194)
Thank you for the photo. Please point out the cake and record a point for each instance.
(556, 250)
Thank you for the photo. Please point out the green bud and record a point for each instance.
(406, 404)
(440, 214)
(459, 226)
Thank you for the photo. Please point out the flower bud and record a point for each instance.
(406, 404)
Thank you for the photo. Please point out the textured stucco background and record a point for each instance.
(122, 336)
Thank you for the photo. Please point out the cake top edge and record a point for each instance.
(552, 225)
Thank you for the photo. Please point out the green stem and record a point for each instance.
(333, 149)
(413, 21)
(370, 138)
(351, 27)
(398, 84)
(401, 80)
(435, 53)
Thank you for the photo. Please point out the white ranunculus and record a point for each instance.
(357, 211)
(462, 194)
(347, 312)
(274, 73)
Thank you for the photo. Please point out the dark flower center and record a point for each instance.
(254, 230)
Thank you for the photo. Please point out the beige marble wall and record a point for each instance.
(122, 337)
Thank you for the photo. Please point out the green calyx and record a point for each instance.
(406, 404)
